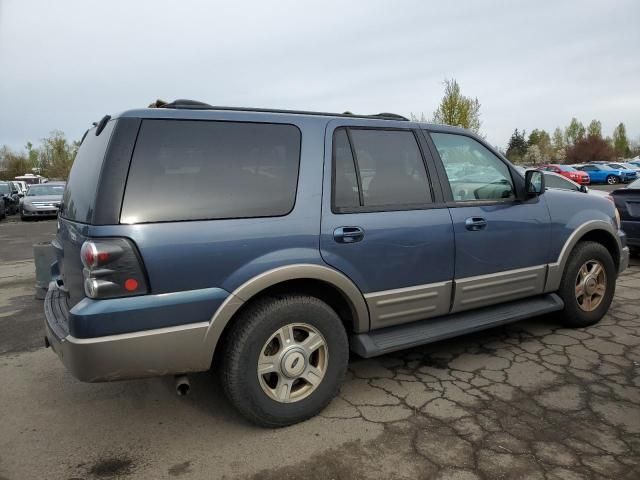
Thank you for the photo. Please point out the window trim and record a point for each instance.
(450, 202)
(378, 208)
(296, 191)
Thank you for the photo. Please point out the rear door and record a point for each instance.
(502, 243)
(384, 223)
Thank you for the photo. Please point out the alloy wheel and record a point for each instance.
(591, 285)
(292, 362)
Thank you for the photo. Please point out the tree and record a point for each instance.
(12, 164)
(574, 132)
(590, 149)
(56, 155)
(559, 146)
(542, 140)
(456, 109)
(533, 156)
(517, 146)
(415, 118)
(620, 141)
(595, 129)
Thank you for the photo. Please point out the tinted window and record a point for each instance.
(4, 188)
(193, 170)
(473, 171)
(345, 191)
(80, 192)
(392, 173)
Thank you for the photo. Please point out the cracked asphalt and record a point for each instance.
(526, 401)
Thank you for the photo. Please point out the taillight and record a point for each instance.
(112, 268)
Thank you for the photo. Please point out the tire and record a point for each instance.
(249, 337)
(579, 313)
(612, 180)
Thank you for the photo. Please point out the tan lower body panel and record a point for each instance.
(484, 290)
(143, 354)
(403, 305)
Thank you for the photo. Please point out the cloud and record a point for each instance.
(531, 64)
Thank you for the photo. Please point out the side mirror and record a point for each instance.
(534, 183)
(584, 189)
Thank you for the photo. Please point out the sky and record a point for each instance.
(531, 64)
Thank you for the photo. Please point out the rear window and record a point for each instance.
(197, 170)
(80, 192)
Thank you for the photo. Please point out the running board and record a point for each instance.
(409, 335)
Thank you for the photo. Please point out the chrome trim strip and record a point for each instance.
(138, 334)
(403, 305)
(484, 290)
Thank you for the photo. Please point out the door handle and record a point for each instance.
(475, 223)
(348, 234)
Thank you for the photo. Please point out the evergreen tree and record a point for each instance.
(517, 146)
(620, 141)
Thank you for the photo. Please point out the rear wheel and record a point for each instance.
(284, 359)
(588, 285)
(612, 180)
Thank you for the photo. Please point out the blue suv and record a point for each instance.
(268, 244)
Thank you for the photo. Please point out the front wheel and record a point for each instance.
(588, 285)
(612, 180)
(284, 359)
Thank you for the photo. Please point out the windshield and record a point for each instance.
(566, 168)
(4, 188)
(39, 190)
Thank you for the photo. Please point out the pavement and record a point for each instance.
(527, 401)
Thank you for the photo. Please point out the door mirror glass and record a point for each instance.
(534, 182)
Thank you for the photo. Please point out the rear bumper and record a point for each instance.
(146, 353)
(632, 229)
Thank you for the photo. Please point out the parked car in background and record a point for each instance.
(634, 162)
(627, 202)
(10, 196)
(567, 171)
(296, 236)
(22, 185)
(560, 182)
(624, 166)
(42, 200)
(602, 173)
(3, 211)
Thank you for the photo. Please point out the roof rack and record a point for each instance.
(183, 104)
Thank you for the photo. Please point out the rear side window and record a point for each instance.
(388, 171)
(80, 192)
(197, 170)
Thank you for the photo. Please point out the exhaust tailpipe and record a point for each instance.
(182, 385)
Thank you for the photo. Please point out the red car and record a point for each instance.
(566, 171)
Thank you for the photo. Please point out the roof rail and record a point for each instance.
(184, 104)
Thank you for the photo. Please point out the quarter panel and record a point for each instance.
(193, 255)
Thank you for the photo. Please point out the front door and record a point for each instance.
(384, 223)
(502, 243)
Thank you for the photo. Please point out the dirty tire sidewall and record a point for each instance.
(247, 337)
(573, 315)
